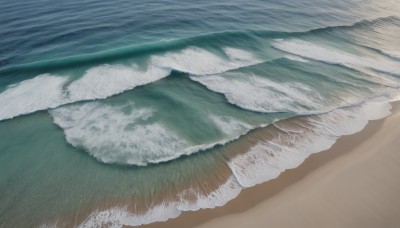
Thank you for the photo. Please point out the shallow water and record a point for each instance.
(130, 112)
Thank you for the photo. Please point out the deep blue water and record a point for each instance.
(117, 113)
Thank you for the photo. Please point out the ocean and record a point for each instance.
(123, 113)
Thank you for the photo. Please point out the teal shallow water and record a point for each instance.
(130, 113)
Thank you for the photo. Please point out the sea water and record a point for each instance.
(131, 112)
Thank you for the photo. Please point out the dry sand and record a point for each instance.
(356, 183)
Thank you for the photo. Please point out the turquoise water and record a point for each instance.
(128, 112)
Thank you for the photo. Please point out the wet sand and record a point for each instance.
(353, 184)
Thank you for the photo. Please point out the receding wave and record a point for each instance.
(113, 134)
(187, 200)
(255, 158)
(286, 143)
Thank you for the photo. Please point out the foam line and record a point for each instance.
(297, 138)
(120, 216)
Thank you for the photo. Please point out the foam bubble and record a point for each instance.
(333, 56)
(261, 94)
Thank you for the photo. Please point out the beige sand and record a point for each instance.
(356, 183)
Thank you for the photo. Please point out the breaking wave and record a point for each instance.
(49, 91)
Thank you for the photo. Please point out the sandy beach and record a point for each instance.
(353, 184)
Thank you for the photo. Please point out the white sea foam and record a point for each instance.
(226, 192)
(296, 58)
(107, 80)
(333, 56)
(395, 96)
(197, 61)
(39, 93)
(230, 126)
(50, 225)
(118, 217)
(113, 135)
(232, 129)
(240, 57)
(261, 94)
(393, 54)
(378, 77)
(300, 138)
(188, 200)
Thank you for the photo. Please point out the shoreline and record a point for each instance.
(261, 197)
